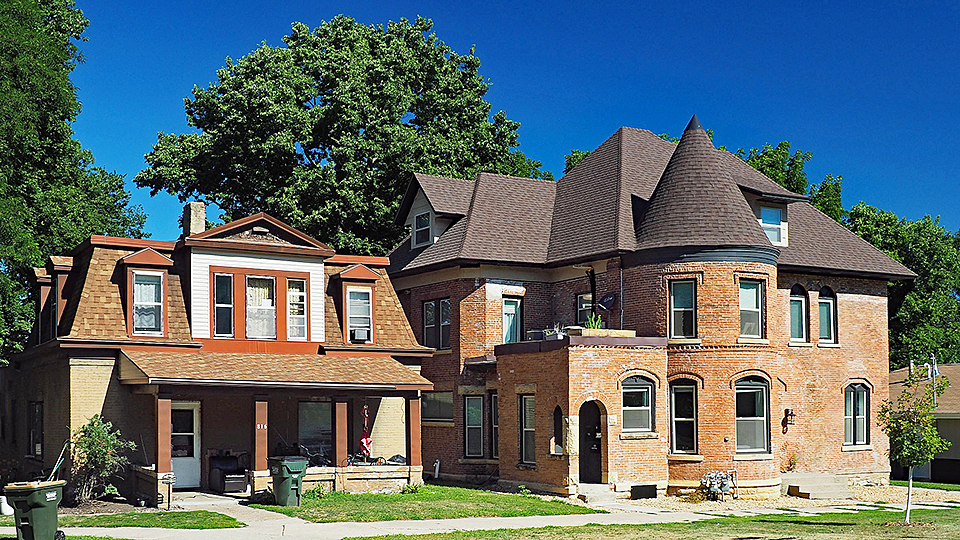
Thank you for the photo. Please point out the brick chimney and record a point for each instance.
(194, 218)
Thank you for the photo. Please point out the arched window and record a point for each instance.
(828, 315)
(753, 415)
(856, 411)
(637, 404)
(798, 313)
(557, 446)
(683, 416)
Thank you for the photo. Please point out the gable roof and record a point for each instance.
(606, 206)
(948, 403)
(274, 236)
(147, 257)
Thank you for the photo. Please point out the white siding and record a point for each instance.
(201, 261)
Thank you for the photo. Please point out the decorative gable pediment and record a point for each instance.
(358, 272)
(146, 257)
(256, 232)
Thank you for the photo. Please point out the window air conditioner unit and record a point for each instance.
(359, 335)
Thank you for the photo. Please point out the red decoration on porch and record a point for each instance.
(365, 440)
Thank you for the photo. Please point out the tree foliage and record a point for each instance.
(51, 194)
(573, 159)
(323, 132)
(98, 453)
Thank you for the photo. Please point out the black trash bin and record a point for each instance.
(287, 473)
(35, 508)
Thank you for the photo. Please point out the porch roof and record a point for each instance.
(268, 370)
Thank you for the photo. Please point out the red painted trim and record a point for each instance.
(128, 298)
(359, 272)
(340, 451)
(259, 346)
(345, 327)
(260, 429)
(242, 222)
(359, 259)
(240, 302)
(414, 452)
(164, 442)
(147, 257)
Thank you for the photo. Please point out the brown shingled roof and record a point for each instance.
(449, 197)
(948, 403)
(253, 369)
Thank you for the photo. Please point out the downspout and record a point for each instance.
(592, 274)
(620, 271)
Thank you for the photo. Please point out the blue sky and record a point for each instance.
(872, 91)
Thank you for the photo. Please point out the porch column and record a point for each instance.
(259, 439)
(164, 428)
(340, 451)
(414, 454)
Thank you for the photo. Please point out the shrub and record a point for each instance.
(98, 453)
(410, 489)
(522, 489)
(315, 493)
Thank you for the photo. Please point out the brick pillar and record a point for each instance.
(414, 454)
(340, 433)
(259, 461)
(164, 427)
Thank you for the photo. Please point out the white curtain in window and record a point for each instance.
(261, 308)
(147, 303)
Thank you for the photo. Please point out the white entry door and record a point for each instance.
(185, 442)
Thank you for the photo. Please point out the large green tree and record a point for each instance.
(51, 195)
(323, 131)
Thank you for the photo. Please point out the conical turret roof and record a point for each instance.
(697, 202)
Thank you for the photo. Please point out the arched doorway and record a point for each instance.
(591, 444)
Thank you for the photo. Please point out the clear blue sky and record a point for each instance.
(873, 92)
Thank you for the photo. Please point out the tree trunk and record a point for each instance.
(909, 492)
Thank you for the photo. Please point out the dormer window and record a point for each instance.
(359, 315)
(771, 219)
(421, 230)
(261, 308)
(148, 303)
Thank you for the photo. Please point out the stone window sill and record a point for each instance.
(856, 448)
(527, 466)
(753, 341)
(556, 456)
(800, 344)
(638, 436)
(436, 423)
(685, 341)
(684, 457)
(828, 345)
(753, 457)
(478, 461)
(442, 352)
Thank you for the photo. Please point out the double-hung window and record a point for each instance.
(798, 313)
(296, 309)
(494, 425)
(436, 323)
(855, 414)
(261, 308)
(752, 415)
(528, 436)
(147, 303)
(828, 315)
(359, 315)
(751, 309)
(473, 424)
(436, 407)
(637, 404)
(683, 309)
(683, 407)
(223, 305)
(584, 308)
(511, 320)
(421, 229)
(771, 219)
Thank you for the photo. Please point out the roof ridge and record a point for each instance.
(619, 176)
(488, 173)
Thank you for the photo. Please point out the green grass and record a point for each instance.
(431, 502)
(866, 524)
(927, 485)
(194, 519)
(74, 537)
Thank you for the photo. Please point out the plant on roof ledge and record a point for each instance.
(594, 321)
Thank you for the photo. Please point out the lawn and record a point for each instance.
(928, 485)
(866, 524)
(194, 519)
(431, 502)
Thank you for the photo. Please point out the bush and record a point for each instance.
(410, 489)
(98, 453)
(315, 493)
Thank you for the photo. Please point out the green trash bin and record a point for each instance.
(287, 473)
(35, 508)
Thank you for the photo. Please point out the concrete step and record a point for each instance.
(596, 493)
(820, 492)
(816, 486)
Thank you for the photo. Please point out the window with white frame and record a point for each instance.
(473, 424)
(436, 406)
(856, 410)
(511, 320)
(223, 305)
(771, 219)
(261, 307)
(683, 309)
(296, 309)
(584, 308)
(528, 436)
(359, 314)
(421, 229)
(436, 323)
(494, 425)
(637, 404)
(752, 415)
(798, 313)
(751, 309)
(147, 303)
(828, 315)
(683, 411)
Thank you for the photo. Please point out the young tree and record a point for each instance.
(910, 424)
(324, 131)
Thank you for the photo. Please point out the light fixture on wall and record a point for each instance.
(790, 416)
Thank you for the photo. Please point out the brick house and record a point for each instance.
(747, 331)
(249, 339)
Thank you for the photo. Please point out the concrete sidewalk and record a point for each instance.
(264, 525)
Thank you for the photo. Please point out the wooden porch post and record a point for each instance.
(340, 451)
(414, 454)
(259, 461)
(164, 428)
